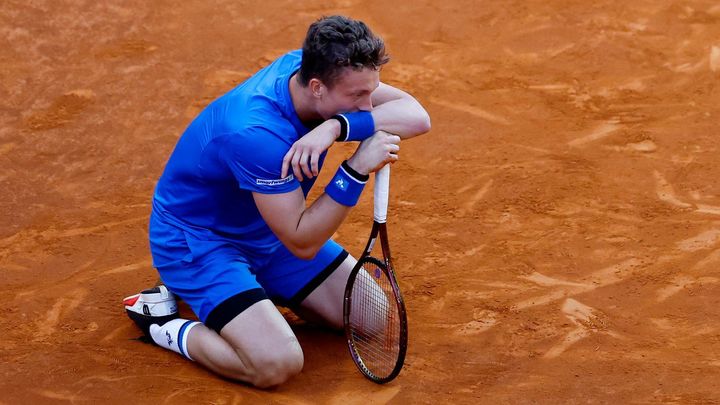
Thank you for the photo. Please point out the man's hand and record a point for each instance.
(308, 149)
(375, 152)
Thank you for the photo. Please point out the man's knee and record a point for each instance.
(268, 354)
(266, 368)
(278, 367)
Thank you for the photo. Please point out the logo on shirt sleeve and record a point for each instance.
(274, 182)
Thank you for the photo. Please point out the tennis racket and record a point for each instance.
(373, 310)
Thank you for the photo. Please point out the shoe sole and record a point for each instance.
(150, 300)
(144, 321)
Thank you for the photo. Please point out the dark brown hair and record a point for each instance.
(336, 42)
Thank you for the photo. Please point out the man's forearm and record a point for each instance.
(404, 117)
(317, 224)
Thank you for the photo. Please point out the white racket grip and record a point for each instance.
(382, 192)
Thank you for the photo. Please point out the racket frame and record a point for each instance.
(379, 230)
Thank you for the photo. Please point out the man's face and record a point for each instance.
(350, 93)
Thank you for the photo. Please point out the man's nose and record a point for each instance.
(365, 104)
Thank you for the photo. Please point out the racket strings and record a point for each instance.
(375, 320)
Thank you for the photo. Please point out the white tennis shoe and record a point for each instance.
(156, 305)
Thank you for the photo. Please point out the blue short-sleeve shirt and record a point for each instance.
(233, 148)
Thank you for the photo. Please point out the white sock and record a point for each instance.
(173, 335)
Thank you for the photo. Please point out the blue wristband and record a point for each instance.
(356, 126)
(345, 188)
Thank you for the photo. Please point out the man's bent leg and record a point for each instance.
(325, 304)
(257, 346)
(243, 336)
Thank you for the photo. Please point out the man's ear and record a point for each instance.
(317, 88)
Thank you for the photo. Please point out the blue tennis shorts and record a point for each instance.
(219, 278)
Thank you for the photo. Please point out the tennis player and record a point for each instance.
(230, 232)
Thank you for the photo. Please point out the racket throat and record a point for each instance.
(370, 246)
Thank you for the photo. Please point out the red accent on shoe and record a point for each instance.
(130, 301)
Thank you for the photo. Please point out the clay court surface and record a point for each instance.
(556, 234)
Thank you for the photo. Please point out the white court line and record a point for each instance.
(472, 110)
(599, 132)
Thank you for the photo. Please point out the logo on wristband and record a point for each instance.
(341, 183)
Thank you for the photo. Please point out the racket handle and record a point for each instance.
(382, 191)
